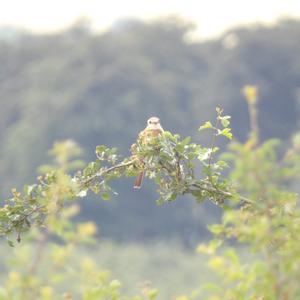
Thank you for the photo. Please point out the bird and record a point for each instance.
(153, 129)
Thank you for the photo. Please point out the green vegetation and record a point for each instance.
(166, 159)
(75, 85)
(100, 88)
(260, 215)
(168, 267)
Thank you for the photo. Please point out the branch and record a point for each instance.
(106, 171)
(212, 189)
(213, 140)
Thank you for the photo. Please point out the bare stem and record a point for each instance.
(212, 189)
(108, 170)
(213, 140)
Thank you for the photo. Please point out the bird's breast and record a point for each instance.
(147, 134)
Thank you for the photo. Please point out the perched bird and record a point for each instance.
(153, 129)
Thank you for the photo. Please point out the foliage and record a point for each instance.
(167, 159)
(265, 221)
(269, 228)
(97, 87)
(47, 206)
(137, 266)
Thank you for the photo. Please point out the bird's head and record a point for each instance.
(153, 121)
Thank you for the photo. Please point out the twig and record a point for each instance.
(223, 193)
(22, 219)
(105, 171)
(170, 171)
(213, 140)
(178, 165)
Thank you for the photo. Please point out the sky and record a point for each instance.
(212, 17)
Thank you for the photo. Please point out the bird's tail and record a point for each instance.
(138, 181)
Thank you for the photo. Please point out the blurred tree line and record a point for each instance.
(100, 89)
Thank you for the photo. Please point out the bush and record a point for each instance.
(260, 214)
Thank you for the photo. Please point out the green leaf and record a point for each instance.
(100, 148)
(225, 122)
(82, 193)
(222, 164)
(205, 125)
(200, 196)
(186, 141)
(115, 284)
(169, 196)
(204, 153)
(105, 196)
(219, 110)
(170, 136)
(10, 243)
(216, 229)
(152, 294)
(29, 188)
(226, 132)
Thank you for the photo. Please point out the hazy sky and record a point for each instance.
(211, 16)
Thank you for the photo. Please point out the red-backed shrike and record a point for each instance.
(152, 129)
